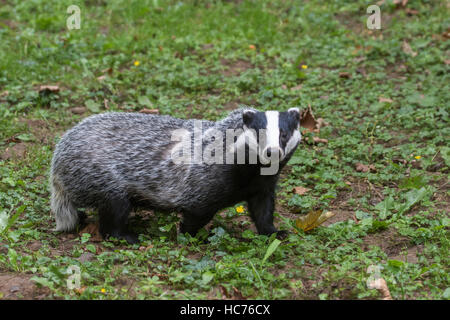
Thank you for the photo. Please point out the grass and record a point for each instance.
(201, 59)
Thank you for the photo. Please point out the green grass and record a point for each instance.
(196, 61)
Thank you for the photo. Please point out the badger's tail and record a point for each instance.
(66, 214)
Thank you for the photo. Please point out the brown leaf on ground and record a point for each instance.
(345, 75)
(321, 123)
(296, 88)
(92, 228)
(446, 34)
(364, 168)
(4, 93)
(301, 190)
(381, 99)
(407, 49)
(149, 111)
(78, 110)
(400, 2)
(411, 11)
(107, 70)
(48, 88)
(307, 119)
(80, 290)
(101, 78)
(313, 219)
(319, 140)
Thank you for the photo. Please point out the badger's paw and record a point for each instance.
(282, 234)
(131, 238)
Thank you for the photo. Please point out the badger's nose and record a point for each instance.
(273, 150)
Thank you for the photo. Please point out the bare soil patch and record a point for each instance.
(15, 152)
(19, 286)
(235, 68)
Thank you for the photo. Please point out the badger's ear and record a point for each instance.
(295, 113)
(247, 116)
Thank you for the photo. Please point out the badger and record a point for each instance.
(117, 162)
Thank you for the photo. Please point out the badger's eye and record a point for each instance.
(283, 135)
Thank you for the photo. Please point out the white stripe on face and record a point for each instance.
(272, 130)
(293, 141)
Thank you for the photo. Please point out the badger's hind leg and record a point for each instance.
(113, 219)
(66, 215)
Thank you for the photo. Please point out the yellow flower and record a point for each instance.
(136, 63)
(240, 209)
(304, 66)
(418, 157)
(103, 290)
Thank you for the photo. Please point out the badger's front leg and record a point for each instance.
(261, 207)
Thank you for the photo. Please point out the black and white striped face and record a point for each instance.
(277, 133)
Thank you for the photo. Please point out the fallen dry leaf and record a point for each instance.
(411, 11)
(78, 110)
(345, 75)
(307, 119)
(400, 2)
(321, 123)
(107, 70)
(80, 290)
(381, 285)
(301, 190)
(145, 248)
(296, 88)
(149, 111)
(364, 168)
(48, 88)
(388, 100)
(319, 140)
(92, 228)
(313, 219)
(4, 93)
(407, 49)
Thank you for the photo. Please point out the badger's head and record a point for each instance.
(274, 135)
